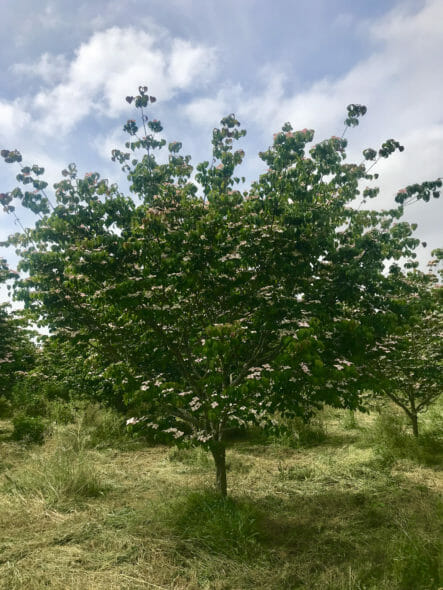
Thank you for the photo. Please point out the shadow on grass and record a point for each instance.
(388, 438)
(205, 520)
(391, 441)
(6, 429)
(388, 538)
(391, 536)
(337, 439)
(257, 444)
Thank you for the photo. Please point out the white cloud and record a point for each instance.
(187, 63)
(13, 119)
(113, 63)
(18, 132)
(207, 111)
(49, 68)
(399, 82)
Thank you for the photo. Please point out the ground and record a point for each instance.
(349, 506)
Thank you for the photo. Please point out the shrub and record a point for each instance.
(29, 429)
(5, 408)
(28, 397)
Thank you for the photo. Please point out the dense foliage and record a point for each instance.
(407, 364)
(209, 305)
(16, 349)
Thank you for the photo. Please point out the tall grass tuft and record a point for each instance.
(60, 473)
(220, 525)
(296, 433)
(391, 439)
(91, 425)
(416, 561)
(194, 457)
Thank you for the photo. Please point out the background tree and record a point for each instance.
(16, 348)
(407, 364)
(210, 306)
(67, 373)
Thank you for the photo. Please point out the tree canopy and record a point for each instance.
(16, 348)
(406, 365)
(209, 304)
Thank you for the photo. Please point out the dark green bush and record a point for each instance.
(28, 397)
(29, 429)
(5, 408)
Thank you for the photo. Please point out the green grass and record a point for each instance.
(355, 505)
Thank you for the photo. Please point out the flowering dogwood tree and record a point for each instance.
(211, 305)
(16, 348)
(407, 363)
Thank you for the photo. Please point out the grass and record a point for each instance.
(356, 507)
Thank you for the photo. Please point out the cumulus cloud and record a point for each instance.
(399, 82)
(48, 68)
(208, 110)
(110, 63)
(107, 66)
(13, 119)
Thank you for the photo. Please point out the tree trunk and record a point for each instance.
(413, 413)
(414, 420)
(219, 453)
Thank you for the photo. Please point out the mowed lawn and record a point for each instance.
(345, 506)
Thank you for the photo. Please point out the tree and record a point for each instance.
(16, 348)
(212, 306)
(65, 372)
(407, 364)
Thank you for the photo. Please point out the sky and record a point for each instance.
(67, 66)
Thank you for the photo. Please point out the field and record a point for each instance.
(350, 503)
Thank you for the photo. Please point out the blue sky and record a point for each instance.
(66, 67)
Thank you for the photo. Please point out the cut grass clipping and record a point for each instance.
(358, 508)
